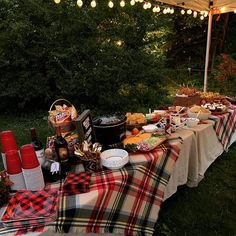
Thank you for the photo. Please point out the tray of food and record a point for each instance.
(143, 142)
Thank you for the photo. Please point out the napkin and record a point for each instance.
(77, 183)
(30, 208)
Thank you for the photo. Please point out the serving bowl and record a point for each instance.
(199, 115)
(150, 128)
(192, 122)
(114, 158)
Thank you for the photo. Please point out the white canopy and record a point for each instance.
(216, 6)
(212, 7)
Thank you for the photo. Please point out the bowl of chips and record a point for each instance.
(198, 112)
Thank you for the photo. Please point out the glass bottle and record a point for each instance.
(62, 151)
(50, 174)
(38, 146)
(168, 125)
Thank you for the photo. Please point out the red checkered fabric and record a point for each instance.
(225, 127)
(29, 208)
(77, 183)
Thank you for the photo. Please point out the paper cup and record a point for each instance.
(18, 180)
(34, 178)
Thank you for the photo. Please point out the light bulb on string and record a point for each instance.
(93, 4)
(79, 3)
(201, 17)
(132, 2)
(149, 5)
(235, 11)
(201, 12)
(189, 12)
(194, 14)
(154, 9)
(168, 10)
(140, 1)
(205, 14)
(172, 10)
(110, 4)
(122, 3)
(158, 9)
(165, 11)
(182, 11)
(57, 1)
(145, 6)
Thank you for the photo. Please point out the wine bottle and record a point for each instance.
(38, 146)
(62, 151)
(168, 129)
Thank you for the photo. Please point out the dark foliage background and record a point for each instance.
(102, 59)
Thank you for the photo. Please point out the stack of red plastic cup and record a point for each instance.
(31, 168)
(28, 157)
(8, 143)
(13, 166)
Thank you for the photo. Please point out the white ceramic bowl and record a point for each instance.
(192, 122)
(149, 128)
(201, 116)
(114, 158)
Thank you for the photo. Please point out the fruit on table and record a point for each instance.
(135, 131)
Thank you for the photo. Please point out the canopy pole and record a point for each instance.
(207, 50)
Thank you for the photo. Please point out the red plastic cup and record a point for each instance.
(13, 162)
(28, 157)
(8, 141)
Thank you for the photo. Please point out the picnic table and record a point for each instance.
(127, 201)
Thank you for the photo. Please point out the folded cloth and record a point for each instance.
(30, 208)
(77, 183)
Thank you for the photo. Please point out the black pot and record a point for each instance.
(110, 130)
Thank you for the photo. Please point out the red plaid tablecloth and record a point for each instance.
(225, 127)
(125, 201)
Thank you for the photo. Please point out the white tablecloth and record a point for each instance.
(199, 149)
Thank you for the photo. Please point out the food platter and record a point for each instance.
(143, 142)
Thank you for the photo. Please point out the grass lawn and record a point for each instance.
(209, 209)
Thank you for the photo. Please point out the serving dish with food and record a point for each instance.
(198, 112)
(143, 142)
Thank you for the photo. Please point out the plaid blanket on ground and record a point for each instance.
(125, 201)
(225, 127)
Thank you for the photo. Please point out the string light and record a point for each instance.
(201, 17)
(110, 4)
(79, 3)
(57, 1)
(182, 11)
(122, 3)
(93, 4)
(189, 12)
(158, 9)
(194, 14)
(168, 10)
(145, 6)
(132, 2)
(172, 10)
(149, 5)
(205, 14)
(235, 11)
(165, 11)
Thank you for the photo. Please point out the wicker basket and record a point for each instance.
(187, 101)
(66, 126)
